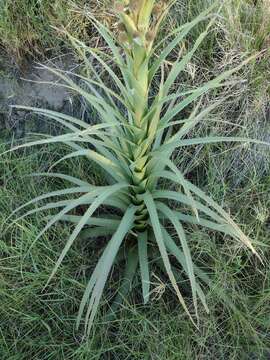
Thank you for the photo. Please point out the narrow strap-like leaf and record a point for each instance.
(74, 190)
(223, 228)
(214, 140)
(152, 210)
(103, 267)
(181, 180)
(182, 237)
(109, 222)
(212, 84)
(96, 232)
(108, 165)
(144, 265)
(179, 255)
(184, 199)
(180, 32)
(83, 221)
(55, 114)
(69, 178)
(179, 66)
(127, 280)
(236, 232)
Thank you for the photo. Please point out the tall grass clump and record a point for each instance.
(133, 143)
(30, 27)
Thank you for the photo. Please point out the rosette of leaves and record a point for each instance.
(138, 130)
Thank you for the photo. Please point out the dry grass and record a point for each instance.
(31, 27)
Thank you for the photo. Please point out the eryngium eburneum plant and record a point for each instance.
(137, 133)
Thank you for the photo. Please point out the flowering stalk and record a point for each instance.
(139, 24)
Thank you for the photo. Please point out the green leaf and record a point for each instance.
(179, 66)
(152, 210)
(56, 115)
(190, 123)
(107, 164)
(74, 190)
(217, 139)
(181, 180)
(144, 265)
(180, 32)
(179, 255)
(113, 201)
(69, 178)
(109, 113)
(182, 237)
(223, 228)
(101, 272)
(212, 84)
(70, 206)
(83, 221)
(110, 222)
(236, 230)
(183, 199)
(96, 232)
(127, 279)
(221, 216)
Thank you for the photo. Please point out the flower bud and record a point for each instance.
(119, 7)
(133, 5)
(157, 9)
(150, 36)
(121, 27)
(123, 38)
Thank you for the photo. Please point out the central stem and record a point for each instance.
(139, 24)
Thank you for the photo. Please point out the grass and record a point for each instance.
(40, 325)
(32, 27)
